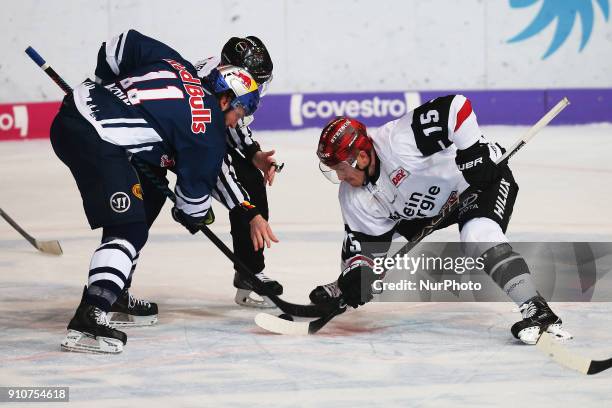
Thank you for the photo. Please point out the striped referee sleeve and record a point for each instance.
(228, 190)
(240, 138)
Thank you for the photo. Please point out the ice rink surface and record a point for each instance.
(207, 352)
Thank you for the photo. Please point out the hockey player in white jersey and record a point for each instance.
(396, 178)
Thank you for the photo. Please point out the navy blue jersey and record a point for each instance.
(149, 100)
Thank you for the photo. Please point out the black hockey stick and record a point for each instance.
(48, 247)
(244, 271)
(287, 307)
(282, 326)
(285, 325)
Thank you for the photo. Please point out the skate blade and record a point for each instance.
(558, 333)
(531, 335)
(118, 319)
(244, 297)
(79, 342)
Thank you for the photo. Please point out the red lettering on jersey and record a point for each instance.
(398, 176)
(463, 113)
(198, 127)
(187, 77)
(193, 87)
(196, 103)
(194, 90)
(175, 64)
(202, 112)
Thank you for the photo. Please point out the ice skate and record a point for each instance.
(246, 296)
(129, 311)
(538, 317)
(89, 332)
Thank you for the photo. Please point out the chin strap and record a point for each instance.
(366, 175)
(373, 178)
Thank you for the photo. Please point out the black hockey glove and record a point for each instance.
(477, 165)
(193, 224)
(355, 282)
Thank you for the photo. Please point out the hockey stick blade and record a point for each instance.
(48, 247)
(278, 325)
(547, 344)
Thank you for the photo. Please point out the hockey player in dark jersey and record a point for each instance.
(147, 103)
(241, 186)
(394, 179)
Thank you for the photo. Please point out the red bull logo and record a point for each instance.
(166, 161)
(248, 82)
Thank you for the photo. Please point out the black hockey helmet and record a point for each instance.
(250, 53)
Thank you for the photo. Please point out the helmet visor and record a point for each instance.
(338, 172)
(247, 102)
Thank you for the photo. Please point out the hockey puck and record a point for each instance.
(285, 316)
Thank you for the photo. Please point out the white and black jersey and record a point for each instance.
(241, 140)
(228, 190)
(416, 162)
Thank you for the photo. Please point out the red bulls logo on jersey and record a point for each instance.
(166, 161)
(199, 115)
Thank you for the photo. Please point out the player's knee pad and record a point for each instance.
(478, 235)
(136, 234)
(503, 264)
(482, 229)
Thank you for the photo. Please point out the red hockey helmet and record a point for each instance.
(341, 140)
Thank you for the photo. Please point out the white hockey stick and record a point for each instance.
(547, 344)
(540, 124)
